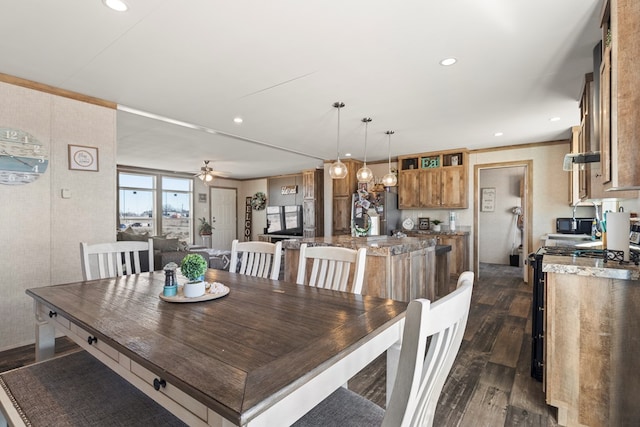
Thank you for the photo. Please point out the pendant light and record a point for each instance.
(338, 170)
(364, 174)
(390, 179)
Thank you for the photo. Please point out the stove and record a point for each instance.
(539, 278)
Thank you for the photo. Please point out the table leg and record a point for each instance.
(45, 334)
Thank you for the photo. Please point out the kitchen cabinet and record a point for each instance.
(459, 242)
(343, 189)
(399, 269)
(591, 347)
(433, 180)
(620, 95)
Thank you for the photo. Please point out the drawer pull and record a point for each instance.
(92, 340)
(159, 382)
(53, 313)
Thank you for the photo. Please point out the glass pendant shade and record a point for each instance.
(338, 170)
(389, 180)
(364, 174)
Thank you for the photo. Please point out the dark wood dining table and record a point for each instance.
(264, 354)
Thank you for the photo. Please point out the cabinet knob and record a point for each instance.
(159, 382)
(52, 313)
(92, 340)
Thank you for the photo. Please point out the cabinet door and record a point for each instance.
(409, 189)
(430, 188)
(454, 191)
(342, 215)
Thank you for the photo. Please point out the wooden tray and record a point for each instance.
(216, 290)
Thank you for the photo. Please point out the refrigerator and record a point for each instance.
(374, 213)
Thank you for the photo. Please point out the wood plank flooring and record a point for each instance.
(489, 384)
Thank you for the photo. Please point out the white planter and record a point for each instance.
(193, 289)
(436, 227)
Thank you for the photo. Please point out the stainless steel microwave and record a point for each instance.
(583, 225)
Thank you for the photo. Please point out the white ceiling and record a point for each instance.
(281, 64)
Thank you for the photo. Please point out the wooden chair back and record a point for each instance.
(260, 259)
(114, 259)
(331, 267)
(420, 379)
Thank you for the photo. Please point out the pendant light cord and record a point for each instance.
(390, 132)
(338, 105)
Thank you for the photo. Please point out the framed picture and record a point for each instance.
(202, 197)
(423, 223)
(83, 158)
(488, 199)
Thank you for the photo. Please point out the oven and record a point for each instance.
(535, 261)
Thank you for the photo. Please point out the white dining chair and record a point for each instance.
(260, 259)
(419, 379)
(331, 267)
(115, 258)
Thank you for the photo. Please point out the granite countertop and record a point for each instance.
(436, 233)
(590, 267)
(376, 245)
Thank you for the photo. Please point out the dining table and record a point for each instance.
(263, 354)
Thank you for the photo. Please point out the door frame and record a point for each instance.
(528, 208)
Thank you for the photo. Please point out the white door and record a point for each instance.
(223, 212)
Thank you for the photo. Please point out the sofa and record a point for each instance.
(165, 250)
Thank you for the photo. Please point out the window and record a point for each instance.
(155, 204)
(176, 208)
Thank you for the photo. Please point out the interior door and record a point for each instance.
(224, 214)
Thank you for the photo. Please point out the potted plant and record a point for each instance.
(205, 227)
(436, 224)
(193, 267)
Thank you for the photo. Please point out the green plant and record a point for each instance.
(436, 222)
(205, 227)
(193, 266)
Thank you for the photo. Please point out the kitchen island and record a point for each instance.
(398, 268)
(592, 314)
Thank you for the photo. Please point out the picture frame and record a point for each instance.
(202, 197)
(83, 158)
(424, 223)
(488, 199)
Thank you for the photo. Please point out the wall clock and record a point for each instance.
(22, 157)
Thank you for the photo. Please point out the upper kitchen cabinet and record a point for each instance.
(620, 95)
(433, 180)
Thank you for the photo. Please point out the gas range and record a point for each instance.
(606, 255)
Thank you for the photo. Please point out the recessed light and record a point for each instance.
(117, 5)
(498, 134)
(448, 61)
(237, 120)
(554, 119)
(347, 154)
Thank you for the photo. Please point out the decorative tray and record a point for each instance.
(213, 290)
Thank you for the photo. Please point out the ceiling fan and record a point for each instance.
(207, 174)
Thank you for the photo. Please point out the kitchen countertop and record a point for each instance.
(592, 267)
(376, 245)
(457, 232)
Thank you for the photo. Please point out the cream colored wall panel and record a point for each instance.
(26, 220)
(89, 215)
(40, 232)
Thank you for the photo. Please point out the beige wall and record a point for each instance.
(40, 230)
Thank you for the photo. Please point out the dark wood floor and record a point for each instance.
(489, 385)
(490, 382)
